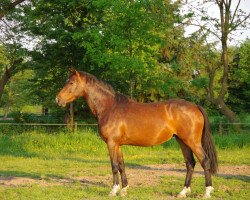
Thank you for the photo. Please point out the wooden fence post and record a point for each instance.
(75, 127)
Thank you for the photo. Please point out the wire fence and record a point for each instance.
(220, 128)
(227, 128)
(44, 127)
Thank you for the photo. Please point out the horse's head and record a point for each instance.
(73, 88)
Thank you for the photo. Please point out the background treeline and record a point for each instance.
(139, 47)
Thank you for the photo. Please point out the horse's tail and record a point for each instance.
(208, 144)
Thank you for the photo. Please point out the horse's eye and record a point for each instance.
(71, 83)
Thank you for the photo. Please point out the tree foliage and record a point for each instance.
(118, 41)
(239, 82)
(139, 47)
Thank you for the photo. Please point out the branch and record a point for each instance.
(9, 7)
(223, 2)
(230, 2)
(238, 24)
(203, 27)
(235, 11)
(217, 1)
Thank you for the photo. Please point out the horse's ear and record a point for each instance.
(72, 70)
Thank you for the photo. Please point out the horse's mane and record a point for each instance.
(94, 81)
(120, 98)
(105, 87)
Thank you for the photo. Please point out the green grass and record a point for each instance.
(62, 160)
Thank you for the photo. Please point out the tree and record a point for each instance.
(7, 5)
(118, 41)
(229, 21)
(9, 68)
(10, 41)
(126, 43)
(18, 92)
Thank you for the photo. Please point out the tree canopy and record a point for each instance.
(139, 47)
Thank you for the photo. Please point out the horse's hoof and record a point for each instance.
(124, 191)
(181, 196)
(111, 194)
(114, 191)
(207, 195)
(184, 192)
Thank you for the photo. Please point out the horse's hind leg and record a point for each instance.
(190, 164)
(205, 163)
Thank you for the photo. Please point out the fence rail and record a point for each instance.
(218, 127)
(45, 124)
(7, 127)
(95, 124)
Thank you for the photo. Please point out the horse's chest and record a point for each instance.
(111, 129)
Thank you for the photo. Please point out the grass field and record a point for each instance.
(38, 166)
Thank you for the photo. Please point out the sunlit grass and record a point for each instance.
(65, 156)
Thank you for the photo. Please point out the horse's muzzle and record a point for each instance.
(60, 102)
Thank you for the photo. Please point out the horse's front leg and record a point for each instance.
(113, 152)
(117, 164)
(121, 168)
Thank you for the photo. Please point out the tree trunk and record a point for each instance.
(225, 110)
(4, 79)
(219, 101)
(71, 114)
(69, 117)
(7, 75)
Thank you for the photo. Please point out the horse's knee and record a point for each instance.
(115, 168)
(190, 165)
(206, 164)
(121, 167)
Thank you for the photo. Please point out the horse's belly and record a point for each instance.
(148, 135)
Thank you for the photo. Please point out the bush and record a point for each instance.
(20, 117)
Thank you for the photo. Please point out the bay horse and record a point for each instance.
(122, 121)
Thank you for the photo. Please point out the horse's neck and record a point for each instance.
(99, 99)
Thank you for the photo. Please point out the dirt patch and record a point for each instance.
(137, 175)
(24, 181)
(16, 181)
(180, 169)
(150, 174)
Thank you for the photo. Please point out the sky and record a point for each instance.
(239, 36)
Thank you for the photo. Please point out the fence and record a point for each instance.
(220, 128)
(47, 127)
(226, 128)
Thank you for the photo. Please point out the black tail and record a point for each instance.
(208, 144)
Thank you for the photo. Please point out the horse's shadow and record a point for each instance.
(132, 165)
(244, 178)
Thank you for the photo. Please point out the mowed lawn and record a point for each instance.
(35, 165)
